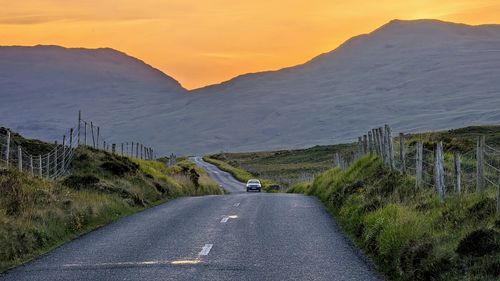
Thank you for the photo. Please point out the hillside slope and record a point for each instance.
(43, 87)
(415, 75)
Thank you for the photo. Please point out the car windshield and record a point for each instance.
(254, 181)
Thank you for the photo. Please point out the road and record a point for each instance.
(240, 236)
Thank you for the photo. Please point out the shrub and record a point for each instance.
(479, 243)
(79, 182)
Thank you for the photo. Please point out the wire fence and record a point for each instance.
(55, 163)
(432, 166)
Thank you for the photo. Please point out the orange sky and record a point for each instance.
(201, 42)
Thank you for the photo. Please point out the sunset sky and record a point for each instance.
(201, 42)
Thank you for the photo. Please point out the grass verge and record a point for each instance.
(37, 215)
(406, 231)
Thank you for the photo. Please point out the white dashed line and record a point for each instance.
(206, 249)
(224, 219)
(236, 204)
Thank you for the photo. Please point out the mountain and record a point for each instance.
(415, 75)
(43, 87)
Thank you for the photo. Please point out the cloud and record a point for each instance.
(28, 19)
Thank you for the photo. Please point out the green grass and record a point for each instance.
(240, 174)
(408, 234)
(284, 167)
(37, 215)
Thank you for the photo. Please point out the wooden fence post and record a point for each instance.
(127, 150)
(7, 149)
(70, 138)
(365, 144)
(104, 146)
(458, 172)
(47, 165)
(370, 143)
(137, 150)
(79, 127)
(122, 149)
(132, 150)
(402, 152)
(19, 158)
(381, 141)
(113, 148)
(498, 195)
(92, 133)
(97, 140)
(85, 133)
(55, 159)
(390, 147)
(387, 162)
(142, 150)
(360, 145)
(439, 172)
(40, 167)
(480, 164)
(31, 166)
(63, 158)
(419, 164)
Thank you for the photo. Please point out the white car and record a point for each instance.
(253, 184)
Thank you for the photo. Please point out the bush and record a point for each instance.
(79, 182)
(479, 243)
(119, 168)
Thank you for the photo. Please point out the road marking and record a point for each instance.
(236, 204)
(206, 249)
(224, 219)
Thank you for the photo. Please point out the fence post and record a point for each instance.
(47, 165)
(55, 159)
(97, 140)
(113, 148)
(7, 149)
(480, 164)
(79, 122)
(370, 143)
(104, 146)
(365, 144)
(19, 158)
(63, 160)
(132, 150)
(419, 164)
(402, 152)
(458, 172)
(390, 147)
(376, 141)
(70, 138)
(498, 195)
(439, 172)
(85, 133)
(92, 133)
(122, 149)
(31, 166)
(137, 150)
(381, 142)
(142, 150)
(387, 162)
(40, 168)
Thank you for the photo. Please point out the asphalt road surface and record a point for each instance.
(240, 236)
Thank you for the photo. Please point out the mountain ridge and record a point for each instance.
(416, 76)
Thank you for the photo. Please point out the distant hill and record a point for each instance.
(43, 87)
(416, 75)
